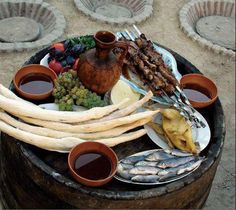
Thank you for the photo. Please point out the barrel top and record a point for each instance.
(55, 164)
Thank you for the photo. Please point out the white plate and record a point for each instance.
(200, 135)
(53, 106)
(44, 61)
(156, 183)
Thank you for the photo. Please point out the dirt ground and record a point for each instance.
(163, 27)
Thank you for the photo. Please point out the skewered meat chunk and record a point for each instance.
(158, 82)
(132, 50)
(143, 36)
(167, 75)
(143, 56)
(141, 65)
(139, 42)
(150, 65)
(153, 56)
(169, 89)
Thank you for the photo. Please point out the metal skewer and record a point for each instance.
(185, 98)
(137, 30)
(129, 34)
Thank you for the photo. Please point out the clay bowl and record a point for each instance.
(202, 84)
(87, 147)
(33, 69)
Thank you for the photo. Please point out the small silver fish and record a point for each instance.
(167, 176)
(166, 171)
(171, 172)
(145, 163)
(123, 172)
(146, 179)
(144, 170)
(133, 159)
(126, 166)
(189, 167)
(174, 162)
(157, 156)
(178, 153)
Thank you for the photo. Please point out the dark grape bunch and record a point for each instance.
(68, 91)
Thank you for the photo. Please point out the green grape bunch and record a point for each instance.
(69, 91)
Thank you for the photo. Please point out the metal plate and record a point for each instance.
(156, 183)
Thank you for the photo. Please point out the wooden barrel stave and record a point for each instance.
(24, 183)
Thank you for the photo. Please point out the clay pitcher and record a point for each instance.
(99, 69)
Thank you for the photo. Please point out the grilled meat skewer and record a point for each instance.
(156, 59)
(145, 61)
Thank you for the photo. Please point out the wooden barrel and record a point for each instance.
(35, 178)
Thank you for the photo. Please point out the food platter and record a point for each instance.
(200, 135)
(81, 87)
(155, 183)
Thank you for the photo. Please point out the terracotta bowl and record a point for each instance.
(92, 147)
(203, 83)
(29, 69)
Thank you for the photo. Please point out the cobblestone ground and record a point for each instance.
(163, 27)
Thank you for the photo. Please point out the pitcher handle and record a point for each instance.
(124, 46)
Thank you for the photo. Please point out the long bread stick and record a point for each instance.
(93, 127)
(126, 111)
(111, 142)
(52, 144)
(63, 144)
(9, 94)
(18, 107)
(60, 134)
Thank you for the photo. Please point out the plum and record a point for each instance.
(70, 60)
(76, 50)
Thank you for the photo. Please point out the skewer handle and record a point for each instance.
(129, 34)
(137, 30)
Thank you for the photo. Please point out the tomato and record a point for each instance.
(55, 66)
(58, 46)
(75, 66)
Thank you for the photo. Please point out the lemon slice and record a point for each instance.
(120, 91)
